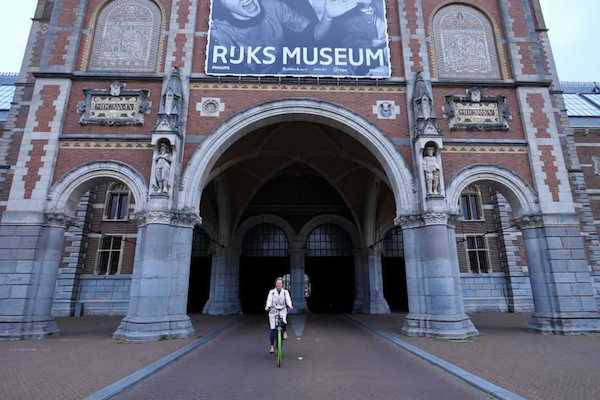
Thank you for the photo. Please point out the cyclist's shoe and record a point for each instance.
(271, 350)
(284, 335)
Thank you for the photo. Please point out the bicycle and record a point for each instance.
(279, 341)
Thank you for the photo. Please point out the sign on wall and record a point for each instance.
(477, 112)
(319, 38)
(116, 105)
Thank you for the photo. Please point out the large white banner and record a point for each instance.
(335, 38)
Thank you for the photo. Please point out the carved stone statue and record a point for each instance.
(162, 169)
(432, 170)
(423, 112)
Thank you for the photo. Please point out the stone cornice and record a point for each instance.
(186, 218)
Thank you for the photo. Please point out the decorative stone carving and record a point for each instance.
(529, 222)
(431, 170)
(464, 44)
(419, 220)
(425, 122)
(170, 116)
(127, 37)
(477, 112)
(596, 164)
(210, 107)
(58, 219)
(185, 217)
(162, 169)
(115, 106)
(386, 109)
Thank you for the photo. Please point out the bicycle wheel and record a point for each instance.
(279, 355)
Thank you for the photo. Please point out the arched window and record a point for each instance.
(471, 204)
(464, 44)
(116, 205)
(265, 240)
(127, 37)
(329, 240)
(392, 243)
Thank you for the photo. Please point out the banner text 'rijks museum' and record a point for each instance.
(335, 38)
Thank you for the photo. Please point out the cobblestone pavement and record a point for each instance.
(338, 361)
(83, 359)
(535, 366)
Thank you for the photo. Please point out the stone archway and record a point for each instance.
(556, 261)
(199, 168)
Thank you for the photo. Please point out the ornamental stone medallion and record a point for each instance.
(464, 44)
(386, 109)
(210, 107)
(113, 106)
(127, 37)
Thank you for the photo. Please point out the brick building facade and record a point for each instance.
(199, 189)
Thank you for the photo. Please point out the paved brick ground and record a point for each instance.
(339, 361)
(537, 367)
(83, 359)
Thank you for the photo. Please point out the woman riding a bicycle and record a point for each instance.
(278, 302)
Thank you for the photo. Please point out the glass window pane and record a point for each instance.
(480, 242)
(123, 206)
(474, 207)
(265, 240)
(392, 243)
(471, 242)
(473, 261)
(483, 261)
(114, 262)
(464, 200)
(329, 240)
(103, 258)
(116, 242)
(113, 206)
(105, 244)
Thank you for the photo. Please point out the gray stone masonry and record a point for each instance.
(159, 287)
(29, 259)
(433, 283)
(224, 297)
(561, 281)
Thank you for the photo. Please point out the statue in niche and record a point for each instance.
(431, 169)
(423, 111)
(162, 169)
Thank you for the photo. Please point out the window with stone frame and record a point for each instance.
(471, 205)
(110, 253)
(116, 207)
(127, 37)
(329, 240)
(464, 44)
(477, 254)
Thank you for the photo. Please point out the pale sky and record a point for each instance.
(573, 34)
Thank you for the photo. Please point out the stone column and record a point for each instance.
(30, 256)
(369, 282)
(159, 286)
(560, 277)
(224, 298)
(360, 280)
(297, 258)
(434, 289)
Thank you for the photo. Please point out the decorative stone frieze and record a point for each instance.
(477, 112)
(114, 106)
(529, 222)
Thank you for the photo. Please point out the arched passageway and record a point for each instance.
(330, 269)
(265, 257)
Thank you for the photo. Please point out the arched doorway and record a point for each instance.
(330, 268)
(200, 269)
(264, 258)
(393, 271)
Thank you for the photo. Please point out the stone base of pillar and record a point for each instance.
(152, 330)
(438, 326)
(26, 330)
(372, 307)
(222, 308)
(565, 324)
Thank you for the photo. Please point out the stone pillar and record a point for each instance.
(159, 286)
(561, 281)
(517, 282)
(434, 289)
(297, 258)
(360, 280)
(224, 298)
(369, 282)
(30, 257)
